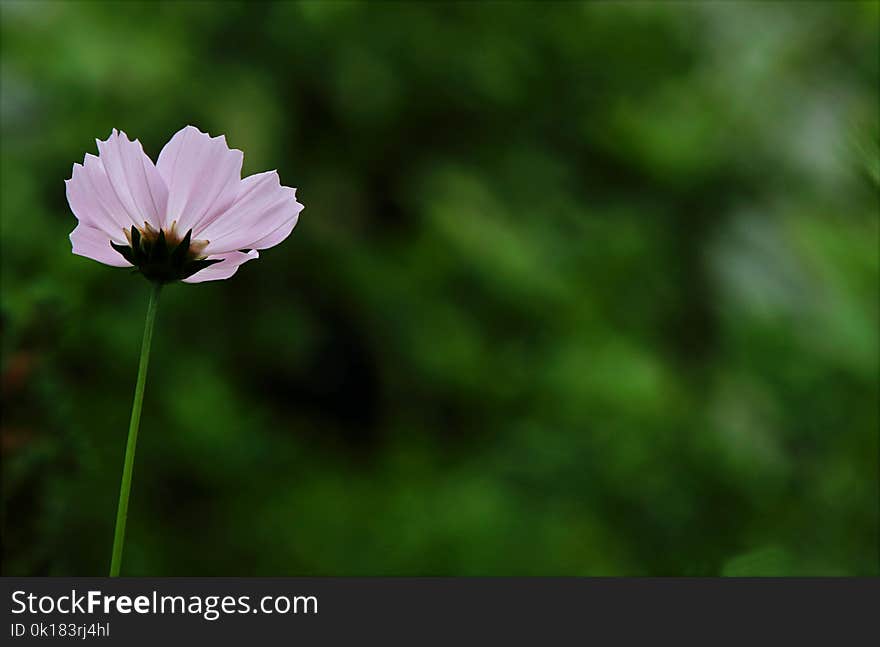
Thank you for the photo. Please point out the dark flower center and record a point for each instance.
(163, 256)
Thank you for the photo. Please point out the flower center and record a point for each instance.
(163, 256)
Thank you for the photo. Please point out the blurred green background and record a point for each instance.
(579, 289)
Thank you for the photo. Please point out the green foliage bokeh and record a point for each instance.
(583, 289)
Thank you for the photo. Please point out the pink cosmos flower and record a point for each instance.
(188, 217)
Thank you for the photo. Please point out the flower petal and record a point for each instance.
(95, 244)
(225, 268)
(134, 179)
(202, 175)
(93, 198)
(276, 236)
(263, 215)
(86, 204)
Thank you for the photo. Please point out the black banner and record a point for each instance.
(144, 611)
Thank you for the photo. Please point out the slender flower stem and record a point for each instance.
(125, 488)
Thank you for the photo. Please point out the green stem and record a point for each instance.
(125, 488)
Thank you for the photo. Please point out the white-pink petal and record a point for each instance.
(262, 216)
(91, 179)
(202, 175)
(95, 244)
(134, 180)
(278, 235)
(225, 268)
(86, 204)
